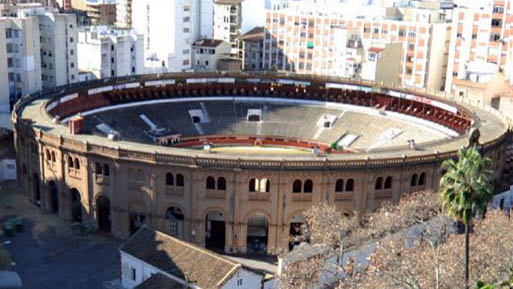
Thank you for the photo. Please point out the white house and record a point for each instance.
(149, 253)
(207, 52)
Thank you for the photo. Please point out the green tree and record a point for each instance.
(466, 186)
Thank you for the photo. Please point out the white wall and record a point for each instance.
(7, 169)
(244, 279)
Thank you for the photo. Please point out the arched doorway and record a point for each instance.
(103, 214)
(215, 229)
(174, 221)
(36, 190)
(54, 197)
(76, 206)
(257, 234)
(296, 231)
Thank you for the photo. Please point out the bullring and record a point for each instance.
(229, 161)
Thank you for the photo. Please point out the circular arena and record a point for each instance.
(230, 161)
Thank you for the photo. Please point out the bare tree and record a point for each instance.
(432, 261)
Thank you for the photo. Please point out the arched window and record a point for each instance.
(106, 171)
(170, 181)
(252, 185)
(414, 180)
(211, 183)
(296, 186)
(77, 164)
(388, 183)
(70, 162)
(422, 179)
(265, 186)
(350, 185)
(339, 186)
(308, 188)
(53, 156)
(98, 168)
(179, 180)
(379, 184)
(48, 156)
(140, 175)
(221, 184)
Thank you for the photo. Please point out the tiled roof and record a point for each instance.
(208, 42)
(254, 34)
(376, 49)
(160, 281)
(179, 258)
(228, 2)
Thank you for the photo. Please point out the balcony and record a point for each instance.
(301, 197)
(174, 191)
(383, 194)
(343, 197)
(101, 180)
(257, 196)
(214, 194)
(74, 173)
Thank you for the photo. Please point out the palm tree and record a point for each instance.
(466, 186)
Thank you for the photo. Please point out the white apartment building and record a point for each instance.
(308, 40)
(57, 42)
(20, 69)
(207, 52)
(480, 44)
(108, 52)
(169, 29)
(124, 13)
(228, 22)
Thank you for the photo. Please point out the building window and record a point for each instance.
(422, 179)
(414, 180)
(379, 184)
(296, 186)
(71, 39)
(186, 19)
(106, 171)
(98, 168)
(134, 275)
(170, 181)
(308, 187)
(179, 180)
(186, 29)
(339, 186)
(206, 62)
(221, 184)
(350, 185)
(388, 183)
(211, 183)
(239, 282)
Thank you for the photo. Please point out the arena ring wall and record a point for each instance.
(212, 199)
